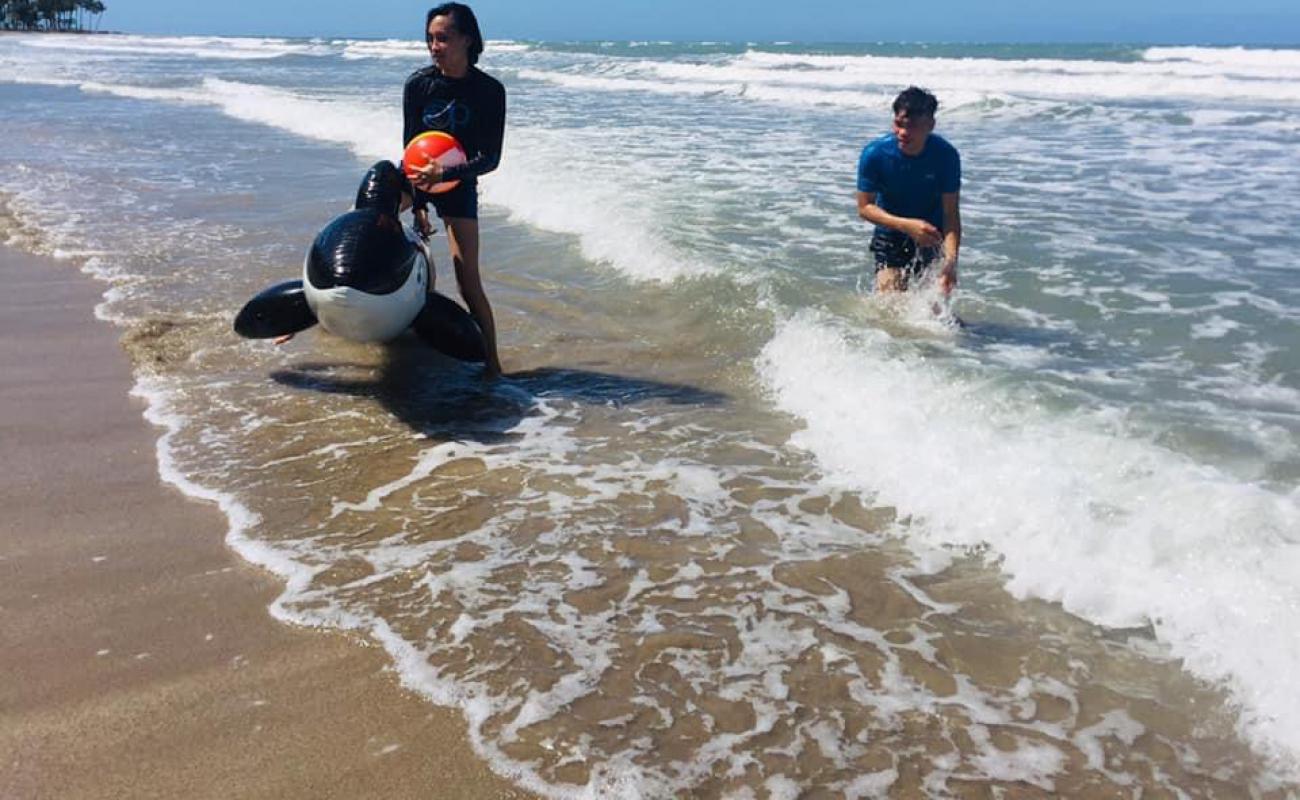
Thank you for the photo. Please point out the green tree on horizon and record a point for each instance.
(50, 15)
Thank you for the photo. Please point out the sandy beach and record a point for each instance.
(138, 656)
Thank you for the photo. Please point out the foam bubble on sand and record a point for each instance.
(160, 397)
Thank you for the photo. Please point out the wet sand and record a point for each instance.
(137, 656)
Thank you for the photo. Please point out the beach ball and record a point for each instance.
(433, 146)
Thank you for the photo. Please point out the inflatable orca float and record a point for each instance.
(364, 279)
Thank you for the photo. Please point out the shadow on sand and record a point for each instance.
(446, 399)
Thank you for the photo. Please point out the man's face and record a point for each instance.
(912, 131)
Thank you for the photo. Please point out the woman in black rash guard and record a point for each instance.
(454, 96)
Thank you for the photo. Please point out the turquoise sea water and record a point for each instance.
(737, 527)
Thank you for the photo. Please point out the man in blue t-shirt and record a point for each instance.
(908, 186)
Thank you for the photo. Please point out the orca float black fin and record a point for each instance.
(449, 329)
(277, 311)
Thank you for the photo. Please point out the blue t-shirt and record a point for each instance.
(910, 186)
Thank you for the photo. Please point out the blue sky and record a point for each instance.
(1156, 21)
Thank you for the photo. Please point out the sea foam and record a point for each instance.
(1076, 509)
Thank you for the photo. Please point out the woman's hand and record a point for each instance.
(422, 224)
(428, 176)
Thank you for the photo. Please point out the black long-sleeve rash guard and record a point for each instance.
(472, 108)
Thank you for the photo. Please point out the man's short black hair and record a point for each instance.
(915, 102)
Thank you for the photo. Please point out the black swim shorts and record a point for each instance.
(459, 203)
(897, 250)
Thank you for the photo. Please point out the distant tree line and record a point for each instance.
(50, 15)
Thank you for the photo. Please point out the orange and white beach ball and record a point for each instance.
(433, 146)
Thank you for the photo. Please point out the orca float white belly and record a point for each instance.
(363, 317)
(366, 278)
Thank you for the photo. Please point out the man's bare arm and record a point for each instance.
(951, 240)
(925, 234)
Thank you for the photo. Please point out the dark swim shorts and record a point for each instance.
(897, 250)
(459, 203)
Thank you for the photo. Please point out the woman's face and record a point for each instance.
(448, 47)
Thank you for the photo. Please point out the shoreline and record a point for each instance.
(141, 657)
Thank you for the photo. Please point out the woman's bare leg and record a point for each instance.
(462, 237)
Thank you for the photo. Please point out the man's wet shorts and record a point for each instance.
(897, 250)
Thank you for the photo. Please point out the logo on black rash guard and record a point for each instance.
(451, 117)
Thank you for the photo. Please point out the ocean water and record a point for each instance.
(736, 527)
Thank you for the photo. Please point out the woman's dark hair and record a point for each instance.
(466, 24)
(915, 102)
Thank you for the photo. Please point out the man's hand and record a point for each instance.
(948, 276)
(422, 224)
(428, 176)
(923, 233)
